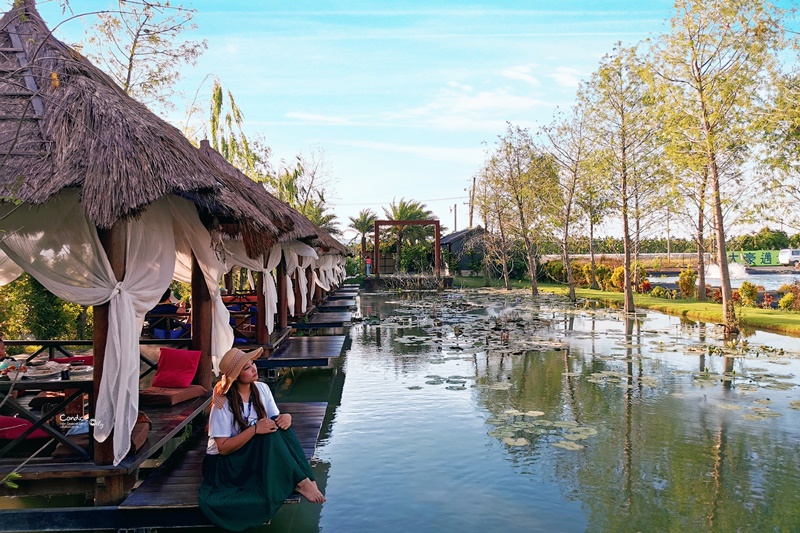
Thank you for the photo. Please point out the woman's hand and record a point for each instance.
(265, 425)
(284, 420)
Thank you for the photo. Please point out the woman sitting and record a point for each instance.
(253, 461)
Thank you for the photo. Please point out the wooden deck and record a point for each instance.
(175, 484)
(304, 351)
(167, 498)
(324, 320)
(336, 305)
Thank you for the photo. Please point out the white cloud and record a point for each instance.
(522, 73)
(472, 110)
(567, 77)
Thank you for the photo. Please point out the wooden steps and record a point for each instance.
(336, 305)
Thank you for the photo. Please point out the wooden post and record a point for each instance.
(376, 263)
(201, 326)
(298, 294)
(283, 304)
(262, 335)
(108, 490)
(309, 288)
(228, 282)
(437, 250)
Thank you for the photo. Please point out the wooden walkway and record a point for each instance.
(304, 351)
(168, 496)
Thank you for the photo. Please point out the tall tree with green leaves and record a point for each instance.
(363, 224)
(594, 201)
(140, 45)
(496, 209)
(407, 210)
(713, 65)
(619, 118)
(525, 176)
(570, 147)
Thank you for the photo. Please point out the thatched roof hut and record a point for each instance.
(64, 123)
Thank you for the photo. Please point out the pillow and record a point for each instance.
(162, 396)
(176, 368)
(12, 427)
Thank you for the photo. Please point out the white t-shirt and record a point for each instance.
(222, 424)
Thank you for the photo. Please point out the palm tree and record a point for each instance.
(407, 210)
(317, 213)
(363, 225)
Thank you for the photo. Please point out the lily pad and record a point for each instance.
(568, 445)
(414, 387)
(455, 387)
(795, 405)
(516, 442)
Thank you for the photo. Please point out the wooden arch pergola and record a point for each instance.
(437, 247)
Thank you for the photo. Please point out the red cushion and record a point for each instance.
(12, 427)
(176, 368)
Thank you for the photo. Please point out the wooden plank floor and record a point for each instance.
(176, 483)
(325, 320)
(304, 351)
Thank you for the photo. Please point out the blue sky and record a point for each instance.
(400, 95)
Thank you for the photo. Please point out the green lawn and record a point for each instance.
(768, 319)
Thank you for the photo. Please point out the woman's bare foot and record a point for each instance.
(310, 491)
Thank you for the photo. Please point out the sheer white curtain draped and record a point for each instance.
(239, 257)
(190, 234)
(302, 279)
(58, 246)
(292, 252)
(9, 270)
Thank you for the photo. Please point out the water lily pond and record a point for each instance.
(484, 411)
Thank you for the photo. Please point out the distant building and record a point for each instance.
(466, 247)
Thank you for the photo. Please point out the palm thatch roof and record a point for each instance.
(64, 123)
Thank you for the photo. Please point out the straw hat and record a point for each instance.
(231, 366)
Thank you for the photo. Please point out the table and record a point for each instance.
(73, 389)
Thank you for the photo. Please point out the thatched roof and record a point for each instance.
(296, 226)
(64, 123)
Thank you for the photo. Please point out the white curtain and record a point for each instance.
(239, 257)
(191, 237)
(58, 246)
(9, 270)
(305, 262)
(292, 251)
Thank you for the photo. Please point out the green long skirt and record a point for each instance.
(245, 489)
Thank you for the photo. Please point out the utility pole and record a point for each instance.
(455, 217)
(471, 201)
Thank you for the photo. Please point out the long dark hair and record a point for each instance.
(236, 405)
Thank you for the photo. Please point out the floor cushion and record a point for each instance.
(167, 396)
(12, 427)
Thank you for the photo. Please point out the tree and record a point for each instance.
(228, 137)
(526, 177)
(619, 119)
(569, 147)
(496, 210)
(363, 224)
(713, 65)
(594, 201)
(407, 210)
(137, 45)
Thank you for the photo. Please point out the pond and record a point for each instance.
(476, 411)
(488, 411)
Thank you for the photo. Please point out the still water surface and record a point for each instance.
(668, 437)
